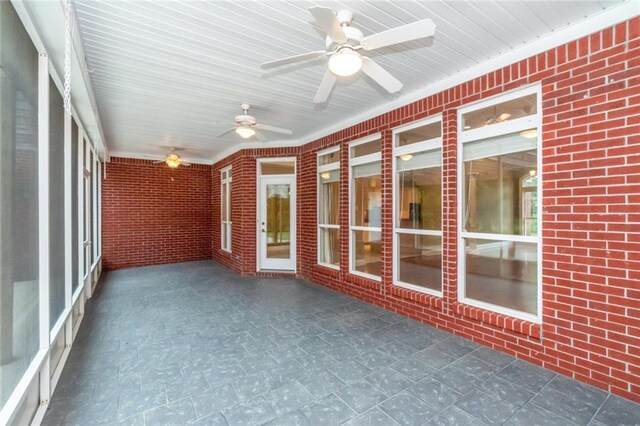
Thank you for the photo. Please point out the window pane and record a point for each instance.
(365, 149)
(56, 204)
(419, 134)
(502, 273)
(278, 227)
(419, 199)
(329, 198)
(223, 236)
(501, 145)
(75, 253)
(230, 200)
(19, 293)
(420, 260)
(420, 160)
(367, 248)
(499, 113)
(278, 168)
(223, 204)
(329, 246)
(367, 198)
(333, 157)
(495, 201)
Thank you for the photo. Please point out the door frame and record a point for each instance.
(293, 211)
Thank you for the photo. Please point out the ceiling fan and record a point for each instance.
(246, 126)
(343, 43)
(173, 160)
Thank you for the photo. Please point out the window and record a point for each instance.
(56, 205)
(19, 192)
(417, 254)
(499, 209)
(87, 197)
(225, 205)
(365, 202)
(329, 208)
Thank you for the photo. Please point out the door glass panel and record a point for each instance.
(278, 221)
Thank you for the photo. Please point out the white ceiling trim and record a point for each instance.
(592, 24)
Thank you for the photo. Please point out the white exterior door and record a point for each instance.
(276, 223)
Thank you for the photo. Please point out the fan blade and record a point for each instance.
(380, 75)
(260, 136)
(326, 19)
(292, 59)
(226, 131)
(158, 162)
(412, 31)
(273, 129)
(326, 86)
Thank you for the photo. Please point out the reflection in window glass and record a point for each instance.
(419, 199)
(367, 195)
(495, 200)
(499, 201)
(365, 206)
(420, 134)
(19, 292)
(418, 208)
(329, 209)
(330, 198)
(329, 247)
(367, 251)
(372, 147)
(503, 273)
(501, 112)
(420, 260)
(332, 157)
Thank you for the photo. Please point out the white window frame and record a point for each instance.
(322, 169)
(364, 159)
(417, 147)
(495, 130)
(225, 225)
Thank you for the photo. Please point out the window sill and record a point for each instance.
(420, 297)
(519, 326)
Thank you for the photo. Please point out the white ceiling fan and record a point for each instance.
(343, 44)
(246, 126)
(173, 160)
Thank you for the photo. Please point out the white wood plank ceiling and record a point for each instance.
(174, 73)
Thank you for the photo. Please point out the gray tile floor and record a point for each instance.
(194, 343)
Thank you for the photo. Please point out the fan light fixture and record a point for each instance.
(325, 175)
(406, 157)
(173, 160)
(345, 62)
(245, 132)
(529, 134)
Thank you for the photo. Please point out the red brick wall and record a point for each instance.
(591, 220)
(152, 214)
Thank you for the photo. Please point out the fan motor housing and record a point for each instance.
(354, 37)
(246, 119)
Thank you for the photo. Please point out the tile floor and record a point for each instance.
(194, 343)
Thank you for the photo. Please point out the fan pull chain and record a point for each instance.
(68, 36)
